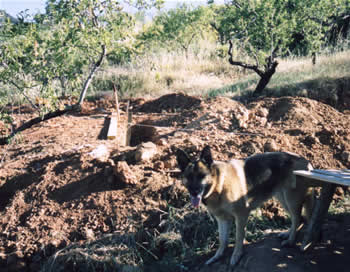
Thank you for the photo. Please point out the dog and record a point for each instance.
(231, 190)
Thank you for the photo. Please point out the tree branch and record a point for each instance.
(255, 68)
(25, 96)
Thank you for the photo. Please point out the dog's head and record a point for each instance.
(196, 174)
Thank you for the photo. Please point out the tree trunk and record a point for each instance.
(313, 55)
(91, 75)
(265, 78)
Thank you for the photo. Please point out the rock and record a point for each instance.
(123, 173)
(249, 148)
(270, 146)
(100, 153)
(145, 151)
(158, 165)
(262, 112)
(162, 142)
(170, 164)
(262, 121)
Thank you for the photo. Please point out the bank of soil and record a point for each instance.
(57, 197)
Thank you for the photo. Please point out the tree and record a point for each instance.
(67, 44)
(177, 28)
(267, 29)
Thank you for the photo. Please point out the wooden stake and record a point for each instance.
(116, 101)
(128, 125)
(113, 125)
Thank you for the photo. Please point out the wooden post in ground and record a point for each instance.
(113, 127)
(128, 125)
(116, 101)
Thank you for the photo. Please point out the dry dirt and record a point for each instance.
(55, 195)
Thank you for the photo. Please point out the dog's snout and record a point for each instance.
(195, 191)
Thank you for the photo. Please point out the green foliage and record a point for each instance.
(262, 26)
(54, 54)
(177, 29)
(267, 29)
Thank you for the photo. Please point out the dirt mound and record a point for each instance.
(170, 103)
(62, 208)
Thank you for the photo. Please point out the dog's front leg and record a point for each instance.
(241, 222)
(224, 232)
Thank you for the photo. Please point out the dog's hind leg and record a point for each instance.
(241, 222)
(224, 227)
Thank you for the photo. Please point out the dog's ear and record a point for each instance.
(206, 156)
(182, 159)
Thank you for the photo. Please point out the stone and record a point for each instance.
(159, 165)
(162, 142)
(100, 153)
(145, 151)
(262, 112)
(123, 173)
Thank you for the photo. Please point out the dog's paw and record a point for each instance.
(235, 259)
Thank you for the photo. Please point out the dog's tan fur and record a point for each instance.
(231, 190)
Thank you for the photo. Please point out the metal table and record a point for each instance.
(328, 180)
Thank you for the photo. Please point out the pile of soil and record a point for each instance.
(54, 194)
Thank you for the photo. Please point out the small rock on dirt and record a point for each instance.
(101, 153)
(145, 151)
(162, 142)
(249, 148)
(158, 165)
(123, 172)
(262, 112)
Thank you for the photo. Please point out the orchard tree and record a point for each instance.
(67, 44)
(266, 29)
(177, 28)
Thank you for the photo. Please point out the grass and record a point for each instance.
(186, 238)
(205, 75)
(299, 76)
(163, 73)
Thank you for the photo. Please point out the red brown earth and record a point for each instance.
(54, 195)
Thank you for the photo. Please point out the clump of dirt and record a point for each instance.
(60, 207)
(170, 103)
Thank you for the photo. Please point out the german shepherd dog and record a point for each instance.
(230, 190)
